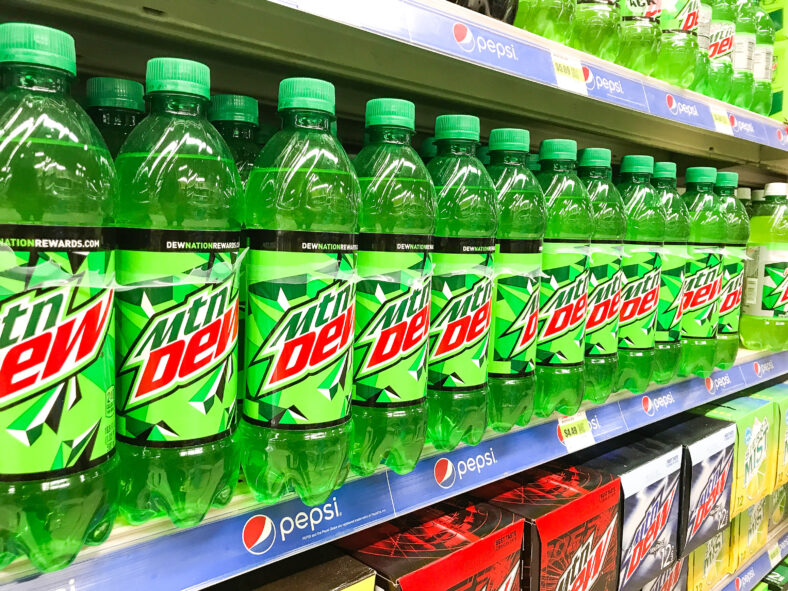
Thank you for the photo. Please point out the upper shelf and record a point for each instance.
(443, 56)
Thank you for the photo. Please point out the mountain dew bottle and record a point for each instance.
(721, 38)
(737, 232)
(428, 149)
(116, 106)
(595, 28)
(302, 201)
(518, 261)
(702, 274)
(641, 269)
(483, 154)
(764, 323)
(743, 83)
(178, 245)
(532, 162)
(551, 19)
(462, 286)
(604, 275)
(563, 291)
(396, 222)
(640, 35)
(58, 467)
(235, 117)
(700, 80)
(667, 351)
(762, 59)
(678, 53)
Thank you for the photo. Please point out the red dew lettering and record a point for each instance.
(400, 338)
(529, 333)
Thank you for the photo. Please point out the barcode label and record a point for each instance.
(751, 292)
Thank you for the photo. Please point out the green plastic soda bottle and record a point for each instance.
(764, 322)
(595, 28)
(518, 263)
(532, 162)
(737, 232)
(483, 154)
(762, 60)
(667, 352)
(700, 81)
(428, 149)
(58, 467)
(640, 35)
(758, 197)
(462, 286)
(604, 277)
(396, 223)
(678, 53)
(641, 268)
(743, 82)
(722, 33)
(702, 274)
(551, 19)
(302, 201)
(179, 221)
(235, 117)
(116, 106)
(563, 296)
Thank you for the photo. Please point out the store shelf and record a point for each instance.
(438, 54)
(158, 557)
(758, 567)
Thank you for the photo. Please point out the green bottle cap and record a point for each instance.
(307, 93)
(457, 127)
(701, 174)
(779, 189)
(665, 170)
(727, 179)
(558, 150)
(389, 111)
(533, 163)
(233, 107)
(115, 92)
(594, 157)
(510, 139)
(428, 148)
(33, 44)
(172, 74)
(634, 163)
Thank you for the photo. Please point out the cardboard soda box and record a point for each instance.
(708, 563)
(464, 545)
(649, 472)
(672, 579)
(754, 450)
(571, 526)
(778, 470)
(706, 476)
(777, 507)
(749, 530)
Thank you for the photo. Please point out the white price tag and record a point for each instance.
(775, 555)
(722, 122)
(569, 74)
(575, 432)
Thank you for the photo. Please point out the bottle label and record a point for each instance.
(604, 299)
(743, 47)
(766, 289)
(640, 270)
(762, 57)
(57, 351)
(702, 284)
(178, 330)
(462, 289)
(680, 15)
(515, 312)
(704, 27)
(641, 8)
(299, 328)
(563, 303)
(731, 291)
(721, 35)
(671, 289)
(392, 319)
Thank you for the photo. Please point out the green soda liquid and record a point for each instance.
(240, 138)
(743, 82)
(397, 220)
(678, 52)
(115, 124)
(667, 353)
(762, 59)
(179, 219)
(518, 263)
(604, 284)
(461, 295)
(595, 29)
(722, 33)
(58, 467)
(700, 81)
(302, 204)
(551, 19)
(640, 36)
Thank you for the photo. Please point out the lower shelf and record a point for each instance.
(758, 567)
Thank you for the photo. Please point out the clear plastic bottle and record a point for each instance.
(721, 40)
(678, 52)
(743, 83)
(551, 19)
(595, 28)
(116, 106)
(640, 35)
(235, 117)
(762, 60)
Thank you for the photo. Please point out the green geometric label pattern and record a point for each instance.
(178, 333)
(700, 310)
(515, 307)
(671, 284)
(730, 293)
(460, 314)
(299, 328)
(563, 297)
(392, 319)
(641, 268)
(604, 299)
(767, 281)
(57, 351)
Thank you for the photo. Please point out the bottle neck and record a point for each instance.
(558, 166)
(512, 157)
(306, 119)
(456, 147)
(184, 105)
(726, 191)
(664, 183)
(389, 134)
(36, 78)
(700, 187)
(772, 199)
(236, 129)
(636, 178)
(595, 172)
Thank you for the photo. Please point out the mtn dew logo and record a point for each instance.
(731, 291)
(766, 284)
(587, 562)
(604, 299)
(721, 39)
(464, 320)
(680, 16)
(671, 291)
(639, 297)
(702, 284)
(755, 439)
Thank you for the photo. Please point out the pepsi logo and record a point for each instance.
(738, 583)
(732, 119)
(670, 101)
(676, 107)
(710, 385)
(444, 473)
(779, 135)
(259, 534)
(588, 76)
(757, 367)
(463, 36)
(648, 406)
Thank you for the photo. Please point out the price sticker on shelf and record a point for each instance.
(575, 432)
(775, 555)
(569, 74)
(722, 122)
